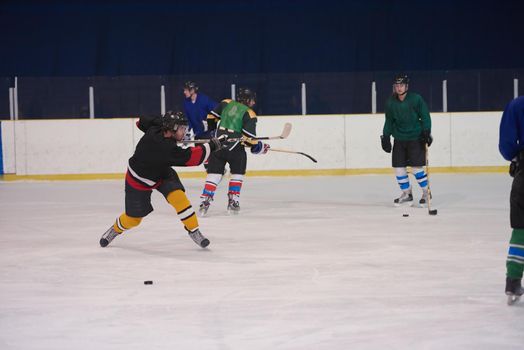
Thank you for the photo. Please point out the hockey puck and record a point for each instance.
(405, 215)
(148, 282)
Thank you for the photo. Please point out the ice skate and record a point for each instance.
(108, 236)
(514, 290)
(233, 206)
(204, 206)
(197, 237)
(405, 198)
(423, 202)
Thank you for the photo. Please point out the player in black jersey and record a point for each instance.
(150, 168)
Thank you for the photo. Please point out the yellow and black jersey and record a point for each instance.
(235, 120)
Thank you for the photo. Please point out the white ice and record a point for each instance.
(310, 263)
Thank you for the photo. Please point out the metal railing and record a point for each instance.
(278, 94)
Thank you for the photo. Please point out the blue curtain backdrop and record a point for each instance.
(115, 38)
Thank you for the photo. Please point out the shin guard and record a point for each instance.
(184, 210)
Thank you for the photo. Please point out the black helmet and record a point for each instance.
(245, 94)
(171, 120)
(191, 85)
(401, 79)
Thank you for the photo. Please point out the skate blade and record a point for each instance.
(232, 212)
(512, 299)
(403, 204)
(202, 213)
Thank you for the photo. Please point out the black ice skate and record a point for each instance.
(514, 290)
(108, 236)
(423, 202)
(204, 206)
(405, 198)
(197, 237)
(233, 206)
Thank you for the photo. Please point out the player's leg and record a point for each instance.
(175, 194)
(138, 205)
(515, 260)
(399, 162)
(237, 160)
(417, 160)
(215, 169)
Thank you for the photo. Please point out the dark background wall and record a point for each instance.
(113, 38)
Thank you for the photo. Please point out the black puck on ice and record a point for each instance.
(148, 282)
(405, 215)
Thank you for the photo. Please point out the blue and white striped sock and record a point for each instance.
(421, 177)
(403, 179)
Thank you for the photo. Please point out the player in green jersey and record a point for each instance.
(235, 119)
(409, 122)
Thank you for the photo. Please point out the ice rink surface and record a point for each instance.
(310, 263)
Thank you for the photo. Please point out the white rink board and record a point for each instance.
(101, 146)
(474, 139)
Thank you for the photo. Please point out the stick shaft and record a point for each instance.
(285, 133)
(430, 212)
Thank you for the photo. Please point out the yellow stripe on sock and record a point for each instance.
(179, 201)
(126, 222)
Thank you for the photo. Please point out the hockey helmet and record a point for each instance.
(190, 85)
(245, 95)
(171, 120)
(401, 79)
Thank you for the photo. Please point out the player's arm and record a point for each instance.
(211, 105)
(508, 136)
(388, 124)
(385, 138)
(213, 117)
(193, 156)
(145, 122)
(249, 131)
(424, 114)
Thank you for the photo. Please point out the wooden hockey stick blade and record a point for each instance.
(294, 152)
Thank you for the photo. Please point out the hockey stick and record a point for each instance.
(430, 211)
(294, 152)
(285, 133)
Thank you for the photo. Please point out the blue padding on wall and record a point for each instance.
(1, 152)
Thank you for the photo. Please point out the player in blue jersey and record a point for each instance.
(511, 146)
(196, 107)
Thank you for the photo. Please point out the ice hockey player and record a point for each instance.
(196, 107)
(409, 122)
(511, 146)
(150, 168)
(235, 119)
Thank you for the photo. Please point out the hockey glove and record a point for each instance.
(386, 143)
(426, 138)
(260, 148)
(215, 144)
